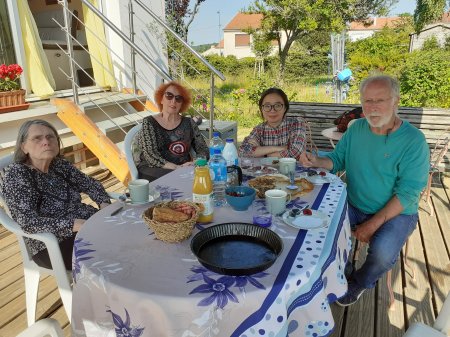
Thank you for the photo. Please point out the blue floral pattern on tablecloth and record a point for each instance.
(80, 252)
(124, 328)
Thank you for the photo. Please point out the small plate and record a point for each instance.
(270, 161)
(259, 170)
(317, 219)
(150, 199)
(320, 180)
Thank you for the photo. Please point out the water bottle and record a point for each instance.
(215, 143)
(218, 169)
(230, 152)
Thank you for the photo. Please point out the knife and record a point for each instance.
(117, 211)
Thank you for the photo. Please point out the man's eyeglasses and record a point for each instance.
(268, 107)
(376, 101)
(170, 96)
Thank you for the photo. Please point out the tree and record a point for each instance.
(428, 11)
(180, 16)
(298, 18)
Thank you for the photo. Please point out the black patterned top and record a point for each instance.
(49, 202)
(159, 145)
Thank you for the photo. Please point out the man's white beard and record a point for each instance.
(383, 121)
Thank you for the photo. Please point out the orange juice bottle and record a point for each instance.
(202, 190)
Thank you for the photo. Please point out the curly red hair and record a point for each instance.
(159, 93)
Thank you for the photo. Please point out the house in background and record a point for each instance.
(440, 30)
(361, 30)
(236, 41)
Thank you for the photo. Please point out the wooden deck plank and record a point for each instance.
(438, 259)
(390, 320)
(417, 303)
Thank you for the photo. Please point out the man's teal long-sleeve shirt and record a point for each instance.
(381, 166)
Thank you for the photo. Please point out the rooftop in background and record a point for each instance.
(374, 23)
(243, 21)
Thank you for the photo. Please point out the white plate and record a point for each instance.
(150, 199)
(259, 170)
(320, 180)
(317, 219)
(269, 161)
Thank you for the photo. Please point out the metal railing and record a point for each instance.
(135, 51)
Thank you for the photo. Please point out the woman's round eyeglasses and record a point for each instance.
(170, 96)
(268, 107)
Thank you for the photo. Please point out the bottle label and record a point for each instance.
(206, 200)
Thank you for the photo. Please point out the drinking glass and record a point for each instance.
(261, 215)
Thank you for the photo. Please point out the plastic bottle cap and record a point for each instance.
(201, 162)
(217, 151)
(230, 140)
(216, 134)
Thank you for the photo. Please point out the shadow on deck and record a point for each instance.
(417, 299)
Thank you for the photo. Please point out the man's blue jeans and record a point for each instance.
(384, 246)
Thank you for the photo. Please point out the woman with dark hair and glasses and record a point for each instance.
(166, 139)
(278, 136)
(42, 191)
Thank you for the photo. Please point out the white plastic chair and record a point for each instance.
(440, 328)
(32, 271)
(127, 145)
(44, 327)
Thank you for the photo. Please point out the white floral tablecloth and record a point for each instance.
(127, 283)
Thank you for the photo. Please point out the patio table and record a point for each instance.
(127, 283)
(333, 135)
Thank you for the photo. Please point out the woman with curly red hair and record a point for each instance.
(166, 139)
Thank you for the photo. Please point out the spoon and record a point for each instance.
(292, 185)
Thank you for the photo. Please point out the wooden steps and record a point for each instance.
(92, 136)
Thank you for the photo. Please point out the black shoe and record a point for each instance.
(354, 292)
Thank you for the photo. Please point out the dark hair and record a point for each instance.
(187, 97)
(19, 155)
(277, 91)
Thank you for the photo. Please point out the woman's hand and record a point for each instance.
(77, 224)
(189, 163)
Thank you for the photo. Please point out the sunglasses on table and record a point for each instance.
(170, 96)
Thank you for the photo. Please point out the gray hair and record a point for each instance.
(19, 155)
(393, 83)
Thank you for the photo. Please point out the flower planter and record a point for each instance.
(13, 101)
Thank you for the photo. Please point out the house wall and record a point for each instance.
(147, 38)
(355, 35)
(440, 32)
(230, 47)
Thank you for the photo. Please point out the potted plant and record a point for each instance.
(12, 97)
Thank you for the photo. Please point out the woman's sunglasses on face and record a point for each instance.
(169, 96)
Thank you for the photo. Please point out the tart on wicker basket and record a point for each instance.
(172, 221)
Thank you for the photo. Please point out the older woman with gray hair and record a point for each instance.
(42, 191)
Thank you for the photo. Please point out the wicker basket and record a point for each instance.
(172, 231)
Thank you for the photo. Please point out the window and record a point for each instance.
(242, 40)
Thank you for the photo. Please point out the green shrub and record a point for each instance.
(425, 79)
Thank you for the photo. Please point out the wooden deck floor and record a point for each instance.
(417, 299)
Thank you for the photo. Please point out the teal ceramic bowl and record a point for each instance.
(240, 197)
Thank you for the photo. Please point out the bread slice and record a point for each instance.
(166, 214)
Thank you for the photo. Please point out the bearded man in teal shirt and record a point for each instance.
(386, 160)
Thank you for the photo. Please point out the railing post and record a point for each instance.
(133, 52)
(69, 53)
(211, 110)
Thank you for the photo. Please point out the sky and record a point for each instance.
(205, 27)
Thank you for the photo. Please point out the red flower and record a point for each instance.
(9, 77)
